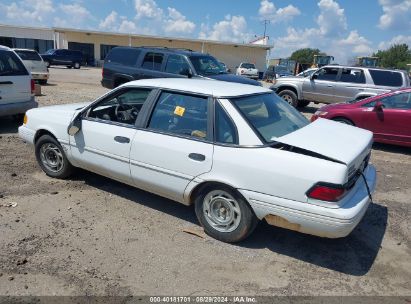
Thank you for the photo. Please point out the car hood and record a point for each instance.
(290, 78)
(334, 140)
(71, 107)
(234, 78)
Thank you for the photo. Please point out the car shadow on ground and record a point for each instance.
(308, 109)
(352, 255)
(9, 125)
(392, 148)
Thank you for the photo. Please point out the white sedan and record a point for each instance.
(238, 152)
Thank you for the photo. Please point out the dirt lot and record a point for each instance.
(93, 236)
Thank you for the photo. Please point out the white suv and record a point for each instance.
(16, 84)
(248, 70)
(34, 64)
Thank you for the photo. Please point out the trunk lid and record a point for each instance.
(35, 66)
(334, 140)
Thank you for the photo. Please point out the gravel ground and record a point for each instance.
(90, 235)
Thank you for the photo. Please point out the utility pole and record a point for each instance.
(266, 21)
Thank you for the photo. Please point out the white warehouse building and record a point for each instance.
(95, 45)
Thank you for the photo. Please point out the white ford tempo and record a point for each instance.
(239, 153)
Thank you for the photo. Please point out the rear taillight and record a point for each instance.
(326, 192)
(33, 86)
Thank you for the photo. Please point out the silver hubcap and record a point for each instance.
(221, 211)
(288, 99)
(76, 65)
(51, 157)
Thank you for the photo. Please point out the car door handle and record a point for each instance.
(122, 139)
(6, 82)
(197, 157)
(329, 85)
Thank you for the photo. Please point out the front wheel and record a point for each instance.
(51, 157)
(224, 214)
(290, 97)
(76, 65)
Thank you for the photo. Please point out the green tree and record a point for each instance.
(305, 56)
(397, 56)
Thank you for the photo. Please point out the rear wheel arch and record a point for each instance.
(291, 88)
(343, 119)
(207, 185)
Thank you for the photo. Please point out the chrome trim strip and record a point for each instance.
(161, 170)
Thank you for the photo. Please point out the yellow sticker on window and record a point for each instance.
(179, 111)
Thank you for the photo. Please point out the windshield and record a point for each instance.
(206, 65)
(269, 115)
(50, 52)
(248, 66)
(28, 55)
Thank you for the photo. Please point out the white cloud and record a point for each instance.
(332, 20)
(395, 40)
(127, 26)
(355, 43)
(110, 23)
(178, 23)
(233, 28)
(396, 15)
(28, 12)
(268, 11)
(75, 16)
(148, 9)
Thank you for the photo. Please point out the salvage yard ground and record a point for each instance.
(90, 235)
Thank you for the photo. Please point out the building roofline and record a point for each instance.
(259, 46)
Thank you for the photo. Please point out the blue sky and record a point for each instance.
(343, 28)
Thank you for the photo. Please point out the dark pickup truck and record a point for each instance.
(69, 58)
(124, 64)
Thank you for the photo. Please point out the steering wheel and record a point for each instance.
(125, 112)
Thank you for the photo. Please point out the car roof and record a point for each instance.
(360, 67)
(5, 48)
(210, 87)
(166, 50)
(30, 50)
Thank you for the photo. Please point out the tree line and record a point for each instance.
(397, 56)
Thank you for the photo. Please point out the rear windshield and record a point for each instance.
(269, 115)
(123, 56)
(207, 65)
(248, 66)
(386, 78)
(11, 65)
(28, 55)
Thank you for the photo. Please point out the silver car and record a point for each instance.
(332, 84)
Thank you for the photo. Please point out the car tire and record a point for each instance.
(76, 65)
(303, 103)
(51, 158)
(47, 63)
(224, 214)
(69, 66)
(43, 81)
(344, 121)
(290, 97)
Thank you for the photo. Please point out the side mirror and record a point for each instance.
(75, 126)
(187, 72)
(378, 106)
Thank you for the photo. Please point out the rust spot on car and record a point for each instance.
(279, 221)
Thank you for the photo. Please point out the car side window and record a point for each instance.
(225, 131)
(153, 61)
(352, 75)
(10, 65)
(400, 101)
(123, 107)
(177, 64)
(329, 74)
(386, 78)
(181, 114)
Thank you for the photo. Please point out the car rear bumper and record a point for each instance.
(17, 107)
(40, 76)
(321, 221)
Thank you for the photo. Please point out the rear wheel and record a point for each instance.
(290, 97)
(76, 65)
(224, 214)
(344, 121)
(51, 157)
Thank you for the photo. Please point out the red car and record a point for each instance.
(388, 116)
